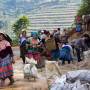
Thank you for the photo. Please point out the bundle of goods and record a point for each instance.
(30, 70)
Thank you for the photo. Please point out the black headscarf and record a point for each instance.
(6, 37)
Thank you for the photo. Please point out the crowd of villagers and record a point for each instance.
(53, 46)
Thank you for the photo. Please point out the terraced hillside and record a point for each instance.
(43, 14)
(51, 17)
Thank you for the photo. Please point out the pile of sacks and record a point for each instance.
(73, 80)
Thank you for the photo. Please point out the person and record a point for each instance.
(32, 51)
(65, 36)
(79, 47)
(43, 37)
(23, 42)
(66, 53)
(6, 60)
(87, 41)
(57, 37)
(52, 48)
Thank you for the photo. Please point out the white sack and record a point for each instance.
(86, 54)
(31, 60)
(79, 74)
(30, 70)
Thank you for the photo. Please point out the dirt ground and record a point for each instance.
(24, 84)
(42, 83)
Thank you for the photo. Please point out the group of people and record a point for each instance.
(53, 45)
(41, 43)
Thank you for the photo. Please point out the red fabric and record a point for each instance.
(36, 56)
(5, 68)
(6, 71)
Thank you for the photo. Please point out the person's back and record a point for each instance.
(65, 53)
(80, 43)
(79, 47)
(50, 44)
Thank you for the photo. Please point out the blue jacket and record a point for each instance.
(65, 53)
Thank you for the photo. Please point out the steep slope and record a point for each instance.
(43, 14)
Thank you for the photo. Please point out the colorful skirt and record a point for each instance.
(35, 55)
(6, 68)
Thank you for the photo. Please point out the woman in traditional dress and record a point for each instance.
(6, 60)
(33, 49)
(23, 42)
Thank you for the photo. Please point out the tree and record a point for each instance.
(20, 24)
(84, 8)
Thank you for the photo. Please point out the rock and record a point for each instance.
(73, 81)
